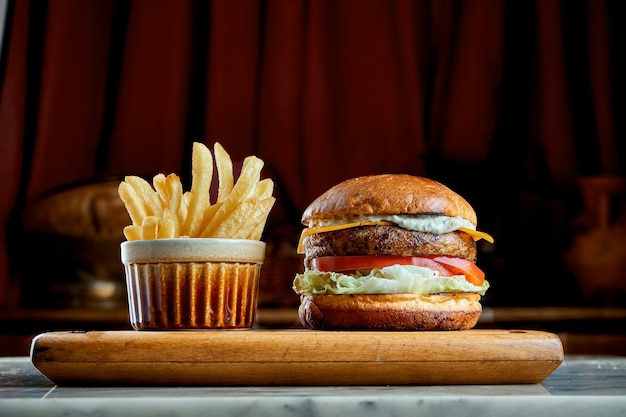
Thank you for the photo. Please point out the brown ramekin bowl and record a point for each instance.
(192, 283)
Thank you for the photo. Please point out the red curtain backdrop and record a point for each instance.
(493, 97)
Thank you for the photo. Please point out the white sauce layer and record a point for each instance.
(420, 223)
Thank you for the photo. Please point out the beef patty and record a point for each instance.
(387, 240)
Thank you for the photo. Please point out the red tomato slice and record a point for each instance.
(352, 263)
(429, 263)
(472, 273)
(446, 265)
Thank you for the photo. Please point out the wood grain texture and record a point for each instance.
(296, 357)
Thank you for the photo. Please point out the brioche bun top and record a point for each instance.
(388, 194)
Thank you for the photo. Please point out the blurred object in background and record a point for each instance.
(282, 261)
(280, 267)
(597, 257)
(70, 248)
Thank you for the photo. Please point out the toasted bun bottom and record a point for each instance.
(451, 311)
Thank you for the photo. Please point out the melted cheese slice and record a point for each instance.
(476, 234)
(313, 230)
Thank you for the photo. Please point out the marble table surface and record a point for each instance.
(581, 386)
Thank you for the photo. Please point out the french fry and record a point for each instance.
(150, 228)
(160, 185)
(224, 171)
(168, 227)
(208, 215)
(202, 173)
(170, 192)
(132, 232)
(258, 215)
(148, 195)
(164, 210)
(261, 218)
(264, 188)
(257, 232)
(132, 201)
(177, 206)
(235, 219)
(250, 173)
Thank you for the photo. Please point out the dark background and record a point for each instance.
(512, 104)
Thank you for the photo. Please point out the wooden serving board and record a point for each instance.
(296, 357)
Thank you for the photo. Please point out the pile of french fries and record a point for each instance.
(166, 211)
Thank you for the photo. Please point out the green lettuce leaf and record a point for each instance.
(396, 279)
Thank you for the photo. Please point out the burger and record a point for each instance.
(390, 252)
